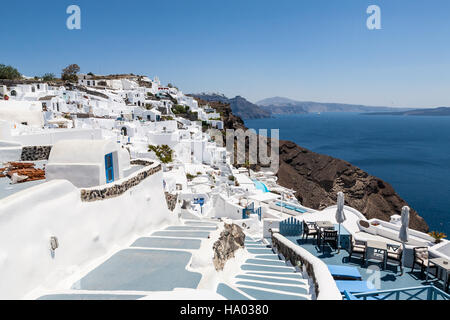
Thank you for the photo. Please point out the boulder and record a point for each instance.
(230, 240)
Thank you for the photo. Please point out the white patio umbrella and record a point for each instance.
(340, 215)
(404, 232)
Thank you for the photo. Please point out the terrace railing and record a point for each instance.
(413, 293)
(291, 227)
(324, 284)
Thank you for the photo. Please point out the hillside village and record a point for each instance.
(113, 187)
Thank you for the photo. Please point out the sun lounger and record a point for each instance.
(344, 272)
(353, 286)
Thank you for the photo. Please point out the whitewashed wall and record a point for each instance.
(85, 230)
(225, 209)
(50, 137)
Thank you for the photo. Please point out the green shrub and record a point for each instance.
(164, 153)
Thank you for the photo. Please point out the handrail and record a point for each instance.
(432, 293)
(324, 284)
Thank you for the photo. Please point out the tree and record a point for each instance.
(70, 73)
(48, 77)
(8, 72)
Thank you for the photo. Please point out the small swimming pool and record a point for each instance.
(287, 206)
(260, 186)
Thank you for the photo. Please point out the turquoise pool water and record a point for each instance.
(260, 186)
(290, 207)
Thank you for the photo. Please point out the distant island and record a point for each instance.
(269, 107)
(281, 105)
(441, 111)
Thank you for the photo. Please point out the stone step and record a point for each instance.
(182, 234)
(260, 294)
(141, 270)
(170, 243)
(191, 228)
(199, 223)
(299, 281)
(90, 296)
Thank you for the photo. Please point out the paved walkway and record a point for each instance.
(154, 263)
(158, 263)
(265, 277)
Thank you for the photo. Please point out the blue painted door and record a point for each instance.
(109, 168)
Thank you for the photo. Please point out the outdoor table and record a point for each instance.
(321, 225)
(344, 237)
(443, 265)
(377, 247)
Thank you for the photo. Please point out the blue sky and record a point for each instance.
(312, 50)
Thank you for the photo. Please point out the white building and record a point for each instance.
(87, 163)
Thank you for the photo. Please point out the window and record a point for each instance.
(109, 168)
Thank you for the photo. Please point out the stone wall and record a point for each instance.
(171, 200)
(35, 153)
(116, 189)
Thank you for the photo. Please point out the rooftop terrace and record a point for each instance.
(373, 274)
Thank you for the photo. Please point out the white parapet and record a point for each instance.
(324, 283)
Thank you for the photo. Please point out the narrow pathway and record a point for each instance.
(158, 263)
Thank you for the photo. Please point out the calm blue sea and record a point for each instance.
(412, 153)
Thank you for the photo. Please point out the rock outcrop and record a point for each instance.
(171, 200)
(230, 240)
(317, 178)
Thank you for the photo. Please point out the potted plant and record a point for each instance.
(438, 236)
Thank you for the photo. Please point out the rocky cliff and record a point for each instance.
(317, 178)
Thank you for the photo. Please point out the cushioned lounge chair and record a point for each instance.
(357, 248)
(344, 272)
(421, 258)
(353, 286)
(309, 229)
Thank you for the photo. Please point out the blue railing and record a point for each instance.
(291, 227)
(250, 209)
(259, 213)
(413, 293)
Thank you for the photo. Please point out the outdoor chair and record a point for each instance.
(357, 247)
(421, 258)
(395, 253)
(309, 228)
(329, 236)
